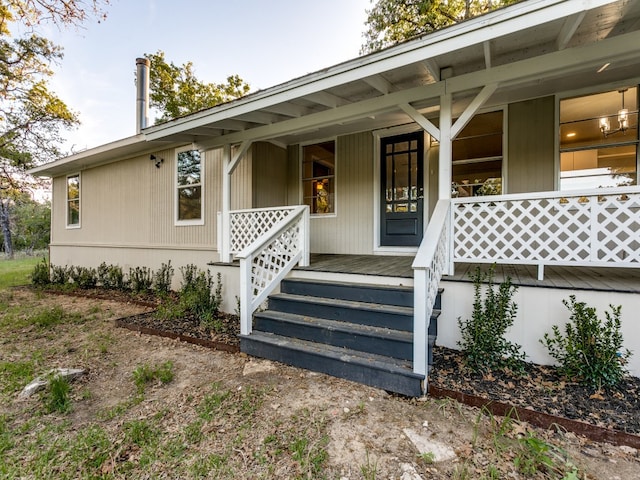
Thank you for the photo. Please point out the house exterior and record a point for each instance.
(509, 138)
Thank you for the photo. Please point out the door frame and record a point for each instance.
(378, 135)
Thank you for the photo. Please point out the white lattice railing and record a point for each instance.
(266, 260)
(591, 228)
(430, 263)
(246, 226)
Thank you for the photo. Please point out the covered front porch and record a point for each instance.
(585, 278)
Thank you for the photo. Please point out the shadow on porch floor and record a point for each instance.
(608, 279)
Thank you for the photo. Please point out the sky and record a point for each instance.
(265, 42)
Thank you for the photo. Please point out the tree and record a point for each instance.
(392, 21)
(30, 223)
(175, 91)
(31, 117)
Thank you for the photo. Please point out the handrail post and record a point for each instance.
(246, 309)
(420, 323)
(305, 240)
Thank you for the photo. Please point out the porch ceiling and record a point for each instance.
(530, 49)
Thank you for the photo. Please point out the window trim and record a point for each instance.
(73, 226)
(333, 139)
(176, 187)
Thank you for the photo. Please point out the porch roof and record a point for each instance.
(530, 49)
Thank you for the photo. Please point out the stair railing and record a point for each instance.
(431, 262)
(268, 259)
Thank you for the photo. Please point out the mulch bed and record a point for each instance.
(223, 335)
(543, 390)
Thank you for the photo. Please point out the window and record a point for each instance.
(477, 157)
(593, 155)
(318, 177)
(73, 200)
(189, 187)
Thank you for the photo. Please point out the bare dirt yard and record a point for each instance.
(150, 407)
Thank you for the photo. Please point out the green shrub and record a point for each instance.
(162, 278)
(197, 295)
(60, 275)
(40, 274)
(84, 277)
(111, 277)
(590, 350)
(140, 279)
(483, 344)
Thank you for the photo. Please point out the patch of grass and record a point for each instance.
(15, 375)
(140, 433)
(17, 272)
(145, 374)
(56, 397)
(369, 469)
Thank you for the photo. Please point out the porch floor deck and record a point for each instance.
(577, 278)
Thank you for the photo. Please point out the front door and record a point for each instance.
(402, 194)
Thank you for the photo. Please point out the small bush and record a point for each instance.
(162, 278)
(40, 274)
(590, 350)
(140, 279)
(483, 344)
(60, 275)
(197, 295)
(84, 277)
(111, 277)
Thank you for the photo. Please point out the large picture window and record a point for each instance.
(599, 140)
(318, 177)
(477, 157)
(73, 201)
(189, 186)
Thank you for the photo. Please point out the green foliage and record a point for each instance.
(483, 344)
(49, 317)
(175, 91)
(56, 397)
(84, 277)
(392, 21)
(145, 374)
(60, 275)
(30, 224)
(589, 350)
(111, 276)
(140, 279)
(40, 274)
(162, 278)
(536, 455)
(197, 294)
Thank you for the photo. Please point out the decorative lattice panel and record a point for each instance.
(556, 229)
(273, 258)
(247, 226)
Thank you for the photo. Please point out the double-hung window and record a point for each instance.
(189, 187)
(73, 201)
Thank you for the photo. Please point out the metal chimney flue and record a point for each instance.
(142, 93)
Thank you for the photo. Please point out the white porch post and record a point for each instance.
(446, 150)
(225, 247)
(445, 159)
